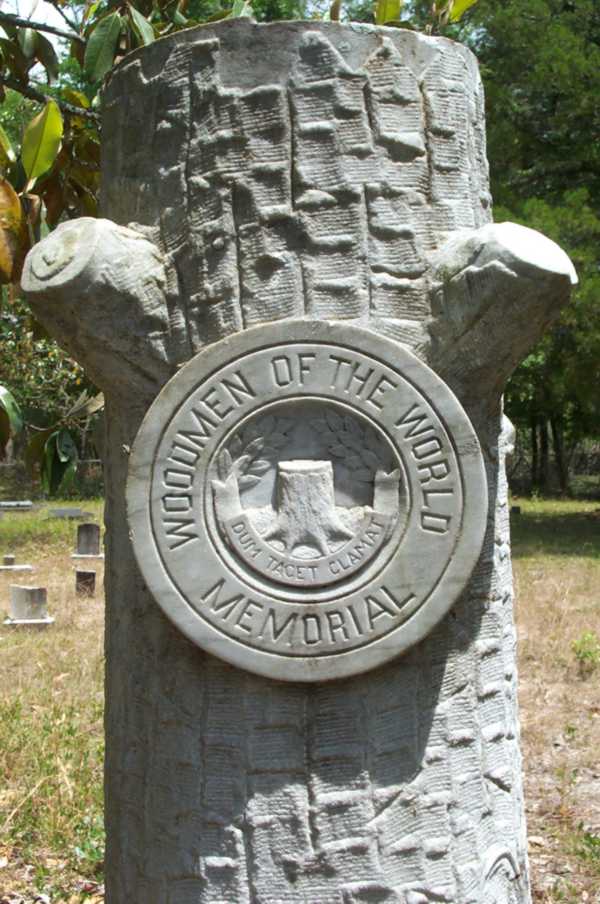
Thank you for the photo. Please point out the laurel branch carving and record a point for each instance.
(358, 448)
(254, 450)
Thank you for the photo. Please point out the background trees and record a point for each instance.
(541, 67)
(540, 62)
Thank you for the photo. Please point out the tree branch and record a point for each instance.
(39, 26)
(33, 94)
(72, 23)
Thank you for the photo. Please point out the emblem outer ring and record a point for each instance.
(141, 497)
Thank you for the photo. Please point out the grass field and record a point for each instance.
(51, 839)
(51, 707)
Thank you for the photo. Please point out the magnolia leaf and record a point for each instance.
(459, 7)
(141, 26)
(27, 39)
(222, 14)
(11, 420)
(59, 460)
(48, 472)
(240, 9)
(14, 239)
(333, 13)
(101, 47)
(387, 11)
(77, 51)
(90, 10)
(34, 453)
(179, 18)
(46, 54)
(7, 154)
(65, 446)
(85, 407)
(41, 141)
(77, 98)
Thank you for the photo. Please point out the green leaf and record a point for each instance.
(15, 59)
(7, 154)
(90, 10)
(179, 18)
(222, 14)
(14, 238)
(101, 47)
(141, 26)
(46, 54)
(85, 407)
(459, 7)
(59, 460)
(11, 420)
(65, 446)
(241, 9)
(387, 11)
(34, 453)
(41, 141)
(27, 39)
(77, 98)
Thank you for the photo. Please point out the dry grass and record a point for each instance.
(557, 574)
(51, 712)
(51, 837)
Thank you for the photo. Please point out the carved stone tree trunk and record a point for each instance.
(306, 506)
(318, 171)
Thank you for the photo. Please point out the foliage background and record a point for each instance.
(540, 63)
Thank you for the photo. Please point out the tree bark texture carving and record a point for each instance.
(257, 173)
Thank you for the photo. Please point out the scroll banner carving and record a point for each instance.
(306, 500)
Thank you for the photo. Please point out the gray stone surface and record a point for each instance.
(28, 606)
(88, 542)
(306, 500)
(322, 172)
(74, 514)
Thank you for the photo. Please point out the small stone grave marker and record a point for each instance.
(24, 505)
(85, 582)
(75, 514)
(9, 563)
(88, 542)
(28, 606)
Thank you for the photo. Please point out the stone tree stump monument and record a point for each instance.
(303, 320)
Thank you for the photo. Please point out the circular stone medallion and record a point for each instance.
(306, 500)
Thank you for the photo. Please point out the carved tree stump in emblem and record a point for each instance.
(306, 507)
(287, 177)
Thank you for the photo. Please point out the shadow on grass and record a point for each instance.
(552, 532)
